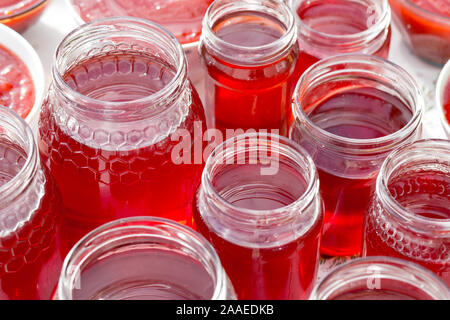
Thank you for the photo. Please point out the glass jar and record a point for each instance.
(110, 127)
(350, 112)
(410, 213)
(143, 258)
(350, 26)
(259, 206)
(21, 14)
(380, 278)
(30, 257)
(249, 50)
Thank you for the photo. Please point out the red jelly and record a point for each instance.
(380, 278)
(250, 57)
(21, 14)
(425, 25)
(182, 17)
(446, 105)
(16, 85)
(106, 128)
(410, 215)
(29, 218)
(332, 27)
(260, 208)
(349, 120)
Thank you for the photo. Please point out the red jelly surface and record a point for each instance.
(20, 14)
(182, 17)
(16, 85)
(426, 26)
(249, 96)
(359, 113)
(426, 194)
(270, 271)
(30, 260)
(99, 185)
(333, 17)
(446, 105)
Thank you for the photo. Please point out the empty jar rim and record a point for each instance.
(124, 232)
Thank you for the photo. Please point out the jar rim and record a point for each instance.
(296, 153)
(25, 132)
(270, 50)
(418, 222)
(367, 35)
(367, 145)
(82, 249)
(428, 12)
(401, 270)
(105, 24)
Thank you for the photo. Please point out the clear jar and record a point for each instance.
(29, 218)
(143, 258)
(350, 112)
(410, 213)
(249, 50)
(380, 278)
(351, 26)
(259, 206)
(111, 124)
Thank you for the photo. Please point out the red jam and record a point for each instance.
(426, 26)
(446, 100)
(20, 14)
(182, 17)
(16, 85)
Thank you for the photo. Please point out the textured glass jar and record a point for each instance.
(249, 50)
(29, 218)
(350, 112)
(118, 104)
(410, 213)
(259, 206)
(143, 258)
(380, 278)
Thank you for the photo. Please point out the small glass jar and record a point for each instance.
(380, 278)
(249, 50)
(259, 206)
(350, 112)
(350, 26)
(143, 258)
(410, 213)
(30, 257)
(21, 14)
(111, 124)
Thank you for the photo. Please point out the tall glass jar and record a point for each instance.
(259, 206)
(110, 128)
(380, 278)
(143, 258)
(331, 27)
(410, 213)
(350, 112)
(249, 50)
(30, 256)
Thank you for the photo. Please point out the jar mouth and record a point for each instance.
(12, 122)
(152, 229)
(128, 27)
(252, 55)
(21, 8)
(425, 11)
(398, 158)
(361, 64)
(367, 35)
(275, 144)
(390, 268)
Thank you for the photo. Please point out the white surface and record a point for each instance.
(57, 21)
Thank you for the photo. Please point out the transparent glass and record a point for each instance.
(141, 258)
(350, 112)
(409, 216)
(351, 26)
(29, 216)
(259, 206)
(249, 51)
(380, 278)
(118, 104)
(22, 14)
